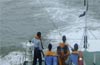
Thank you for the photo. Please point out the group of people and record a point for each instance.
(61, 57)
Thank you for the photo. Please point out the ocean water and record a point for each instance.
(21, 19)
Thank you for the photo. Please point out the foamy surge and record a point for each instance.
(13, 58)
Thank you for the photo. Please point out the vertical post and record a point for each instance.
(94, 60)
(85, 34)
(85, 28)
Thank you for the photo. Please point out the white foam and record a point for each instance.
(13, 58)
(76, 37)
(75, 30)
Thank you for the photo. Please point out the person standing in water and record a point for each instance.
(63, 51)
(37, 48)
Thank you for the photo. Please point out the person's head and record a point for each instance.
(39, 34)
(64, 38)
(75, 46)
(49, 47)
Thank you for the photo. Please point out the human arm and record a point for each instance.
(41, 44)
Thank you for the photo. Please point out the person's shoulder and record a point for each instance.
(75, 52)
(66, 44)
(60, 43)
(36, 39)
(80, 53)
(50, 53)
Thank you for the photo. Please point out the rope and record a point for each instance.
(93, 34)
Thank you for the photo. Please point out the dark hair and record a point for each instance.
(38, 33)
(75, 46)
(64, 38)
(49, 47)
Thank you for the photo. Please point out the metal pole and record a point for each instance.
(94, 60)
(85, 28)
